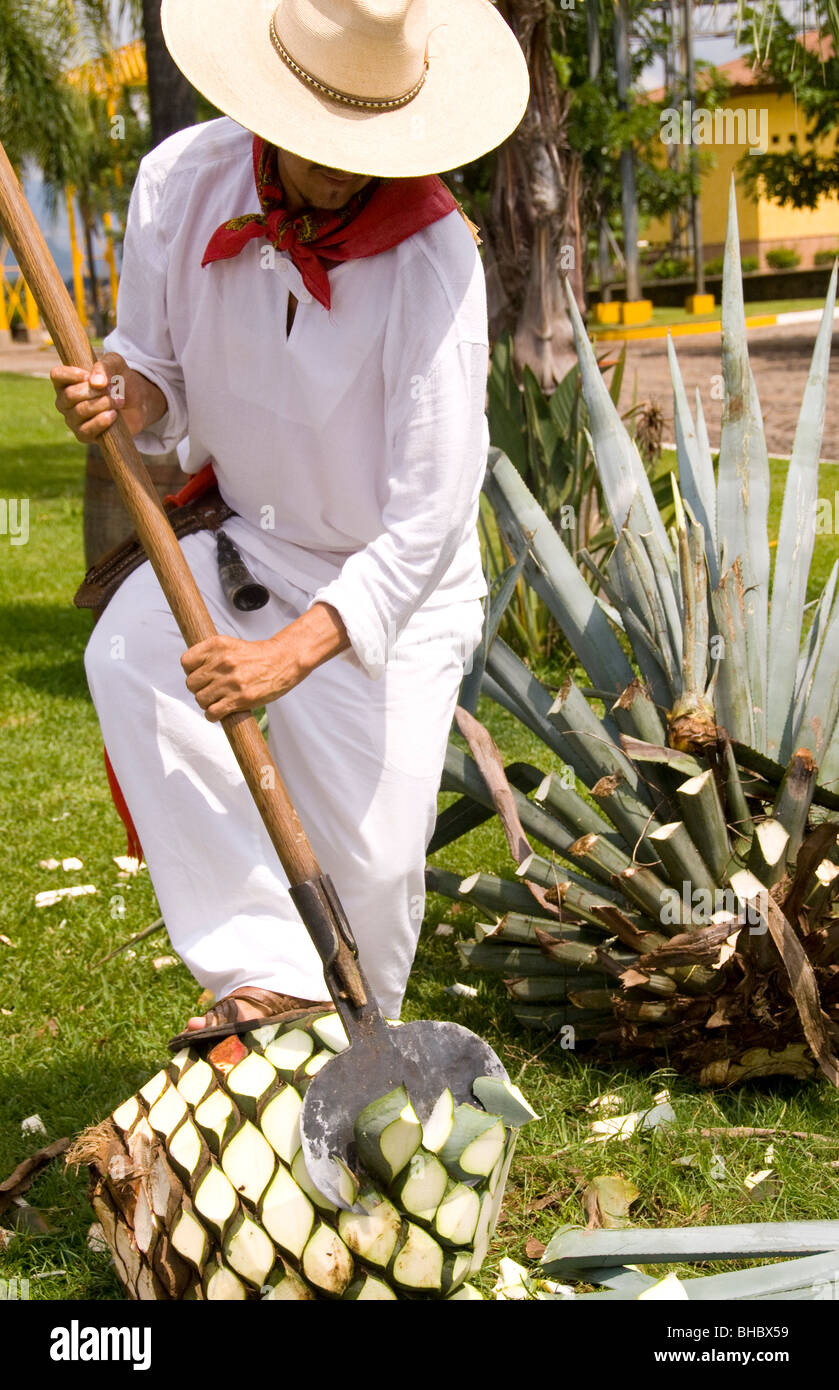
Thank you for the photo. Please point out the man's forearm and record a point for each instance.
(150, 403)
(318, 635)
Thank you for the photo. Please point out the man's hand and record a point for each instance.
(90, 400)
(227, 674)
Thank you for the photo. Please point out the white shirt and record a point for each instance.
(353, 450)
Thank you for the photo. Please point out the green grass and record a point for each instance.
(826, 548)
(666, 314)
(76, 1039)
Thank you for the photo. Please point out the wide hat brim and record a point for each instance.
(474, 95)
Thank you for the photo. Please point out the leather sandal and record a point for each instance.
(280, 1008)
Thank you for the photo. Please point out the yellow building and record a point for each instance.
(755, 116)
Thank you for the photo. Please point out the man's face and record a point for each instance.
(316, 185)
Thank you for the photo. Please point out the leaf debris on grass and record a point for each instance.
(50, 896)
(25, 1173)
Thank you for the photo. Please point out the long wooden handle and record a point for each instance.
(159, 541)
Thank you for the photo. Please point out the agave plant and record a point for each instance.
(546, 437)
(685, 908)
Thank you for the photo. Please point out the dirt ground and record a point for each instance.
(780, 359)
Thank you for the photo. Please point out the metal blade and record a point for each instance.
(424, 1057)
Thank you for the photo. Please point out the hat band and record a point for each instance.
(365, 103)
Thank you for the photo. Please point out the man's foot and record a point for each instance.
(241, 1006)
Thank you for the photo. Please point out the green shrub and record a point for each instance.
(825, 256)
(670, 268)
(783, 258)
(747, 263)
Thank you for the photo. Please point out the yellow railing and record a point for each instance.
(15, 297)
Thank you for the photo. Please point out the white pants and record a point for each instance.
(361, 759)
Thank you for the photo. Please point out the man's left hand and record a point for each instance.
(228, 674)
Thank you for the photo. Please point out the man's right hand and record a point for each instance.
(90, 400)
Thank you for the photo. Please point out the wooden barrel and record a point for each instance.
(106, 522)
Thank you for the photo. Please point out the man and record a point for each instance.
(328, 350)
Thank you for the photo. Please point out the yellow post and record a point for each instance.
(108, 220)
(78, 271)
(110, 257)
(5, 327)
(30, 310)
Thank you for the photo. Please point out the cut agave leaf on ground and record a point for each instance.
(212, 1199)
(705, 753)
(607, 1200)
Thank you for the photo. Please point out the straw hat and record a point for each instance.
(393, 88)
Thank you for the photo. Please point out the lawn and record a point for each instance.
(670, 314)
(78, 1037)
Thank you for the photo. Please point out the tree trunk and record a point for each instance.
(629, 199)
(171, 98)
(534, 237)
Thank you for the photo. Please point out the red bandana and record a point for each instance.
(376, 219)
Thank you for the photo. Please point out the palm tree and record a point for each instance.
(41, 117)
(534, 210)
(172, 104)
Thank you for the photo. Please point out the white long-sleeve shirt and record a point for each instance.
(354, 449)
